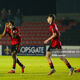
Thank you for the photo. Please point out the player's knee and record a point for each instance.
(13, 55)
(47, 56)
(61, 58)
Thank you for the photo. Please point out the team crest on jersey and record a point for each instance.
(14, 31)
(52, 29)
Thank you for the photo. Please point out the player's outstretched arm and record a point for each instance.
(51, 37)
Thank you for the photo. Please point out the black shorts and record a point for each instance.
(15, 48)
(53, 48)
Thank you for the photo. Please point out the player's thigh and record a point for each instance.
(14, 50)
(51, 49)
(48, 54)
(13, 53)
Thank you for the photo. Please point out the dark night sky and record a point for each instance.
(30, 7)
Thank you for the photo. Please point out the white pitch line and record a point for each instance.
(22, 74)
(29, 74)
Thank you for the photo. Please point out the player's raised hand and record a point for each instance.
(46, 41)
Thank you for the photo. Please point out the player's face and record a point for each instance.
(49, 20)
(10, 25)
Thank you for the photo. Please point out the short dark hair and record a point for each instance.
(12, 22)
(53, 16)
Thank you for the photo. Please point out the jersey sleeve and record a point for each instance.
(52, 29)
(7, 31)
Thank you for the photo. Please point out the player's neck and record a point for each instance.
(51, 23)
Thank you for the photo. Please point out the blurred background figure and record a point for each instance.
(3, 16)
(10, 16)
(18, 17)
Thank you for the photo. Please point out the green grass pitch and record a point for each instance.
(37, 68)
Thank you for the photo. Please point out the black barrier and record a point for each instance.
(2, 27)
(26, 50)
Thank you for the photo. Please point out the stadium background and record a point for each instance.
(34, 28)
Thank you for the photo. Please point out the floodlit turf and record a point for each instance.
(37, 68)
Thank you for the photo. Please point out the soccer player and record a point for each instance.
(55, 44)
(15, 36)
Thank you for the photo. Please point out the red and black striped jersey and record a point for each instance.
(55, 41)
(16, 39)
